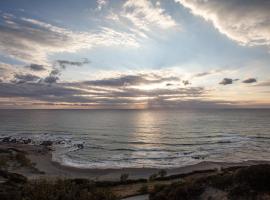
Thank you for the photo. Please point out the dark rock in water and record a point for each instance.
(13, 140)
(80, 146)
(28, 141)
(6, 139)
(198, 157)
(47, 143)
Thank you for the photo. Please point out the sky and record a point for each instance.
(134, 54)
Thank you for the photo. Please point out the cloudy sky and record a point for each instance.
(134, 53)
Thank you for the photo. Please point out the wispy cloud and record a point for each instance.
(144, 15)
(31, 40)
(65, 63)
(263, 84)
(129, 80)
(212, 72)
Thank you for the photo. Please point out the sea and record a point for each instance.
(112, 139)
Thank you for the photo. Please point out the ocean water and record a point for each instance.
(144, 138)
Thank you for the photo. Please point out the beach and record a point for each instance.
(43, 167)
(42, 157)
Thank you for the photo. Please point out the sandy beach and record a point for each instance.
(41, 156)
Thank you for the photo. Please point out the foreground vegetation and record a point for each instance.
(243, 183)
(17, 187)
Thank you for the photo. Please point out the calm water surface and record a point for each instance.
(144, 138)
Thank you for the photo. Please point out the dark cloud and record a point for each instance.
(36, 67)
(65, 63)
(55, 72)
(186, 82)
(250, 80)
(127, 80)
(227, 81)
(38, 91)
(24, 78)
(51, 79)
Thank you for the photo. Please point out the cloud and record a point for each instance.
(202, 74)
(143, 18)
(62, 92)
(117, 91)
(51, 79)
(263, 84)
(64, 63)
(25, 78)
(36, 67)
(250, 80)
(101, 4)
(244, 21)
(30, 40)
(227, 81)
(127, 80)
(35, 90)
(144, 15)
(53, 76)
(186, 82)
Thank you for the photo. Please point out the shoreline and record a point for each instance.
(42, 157)
(36, 166)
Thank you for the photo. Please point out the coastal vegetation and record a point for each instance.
(251, 182)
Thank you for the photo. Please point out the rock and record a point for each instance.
(6, 139)
(198, 157)
(13, 140)
(80, 146)
(47, 143)
(28, 141)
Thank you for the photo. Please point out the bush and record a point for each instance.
(152, 177)
(23, 160)
(124, 177)
(65, 189)
(143, 189)
(3, 163)
(162, 173)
